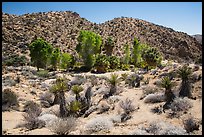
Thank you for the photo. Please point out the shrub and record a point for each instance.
(125, 67)
(102, 64)
(114, 62)
(152, 57)
(126, 59)
(32, 107)
(124, 76)
(154, 98)
(55, 58)
(40, 52)
(46, 99)
(67, 61)
(15, 60)
(62, 126)
(127, 106)
(190, 124)
(99, 123)
(180, 104)
(108, 46)
(136, 54)
(134, 80)
(88, 45)
(43, 73)
(139, 132)
(9, 99)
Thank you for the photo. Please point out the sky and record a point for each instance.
(180, 16)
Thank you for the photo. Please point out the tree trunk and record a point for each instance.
(62, 105)
(112, 90)
(185, 89)
(56, 99)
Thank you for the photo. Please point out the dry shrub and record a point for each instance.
(62, 126)
(127, 106)
(9, 99)
(190, 124)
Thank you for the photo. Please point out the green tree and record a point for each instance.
(127, 54)
(136, 55)
(40, 52)
(89, 44)
(55, 58)
(108, 46)
(67, 61)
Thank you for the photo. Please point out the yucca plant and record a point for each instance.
(113, 81)
(76, 90)
(59, 88)
(74, 107)
(169, 95)
(185, 74)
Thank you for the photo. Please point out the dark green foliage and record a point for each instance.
(125, 66)
(15, 60)
(152, 57)
(185, 73)
(88, 45)
(114, 62)
(108, 46)
(102, 64)
(55, 58)
(67, 61)
(9, 99)
(40, 52)
(114, 80)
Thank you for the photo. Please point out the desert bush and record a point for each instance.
(114, 62)
(164, 128)
(154, 98)
(152, 56)
(62, 126)
(67, 61)
(32, 107)
(133, 80)
(150, 90)
(180, 104)
(124, 66)
(32, 121)
(127, 105)
(46, 99)
(124, 76)
(9, 99)
(15, 60)
(102, 64)
(139, 132)
(109, 45)
(126, 58)
(190, 124)
(43, 73)
(98, 123)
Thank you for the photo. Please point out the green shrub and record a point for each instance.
(114, 62)
(55, 58)
(102, 64)
(136, 54)
(152, 56)
(43, 73)
(67, 61)
(125, 66)
(126, 59)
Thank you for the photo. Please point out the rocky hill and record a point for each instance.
(62, 28)
(198, 37)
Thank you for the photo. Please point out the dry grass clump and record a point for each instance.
(62, 126)
(127, 105)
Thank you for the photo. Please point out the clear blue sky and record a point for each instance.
(181, 16)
